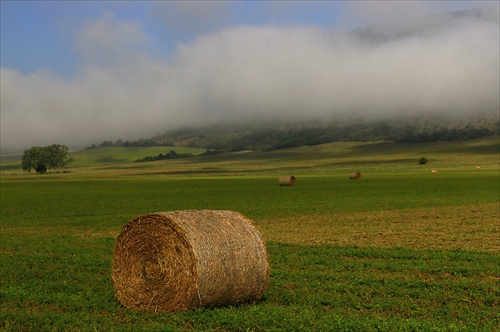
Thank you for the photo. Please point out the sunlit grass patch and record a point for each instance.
(468, 227)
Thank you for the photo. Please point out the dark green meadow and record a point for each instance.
(399, 249)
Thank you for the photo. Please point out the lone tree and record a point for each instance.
(41, 158)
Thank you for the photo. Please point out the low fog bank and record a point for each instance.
(443, 65)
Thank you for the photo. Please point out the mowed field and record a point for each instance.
(399, 249)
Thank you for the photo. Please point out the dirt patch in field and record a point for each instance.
(470, 227)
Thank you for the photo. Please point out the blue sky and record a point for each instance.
(40, 34)
(79, 72)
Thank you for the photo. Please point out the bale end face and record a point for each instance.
(179, 260)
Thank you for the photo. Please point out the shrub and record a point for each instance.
(423, 161)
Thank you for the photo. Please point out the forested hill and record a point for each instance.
(271, 136)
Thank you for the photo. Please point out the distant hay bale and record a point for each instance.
(179, 260)
(287, 180)
(355, 175)
(434, 171)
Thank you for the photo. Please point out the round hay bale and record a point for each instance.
(179, 260)
(287, 180)
(355, 175)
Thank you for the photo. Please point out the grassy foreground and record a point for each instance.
(399, 249)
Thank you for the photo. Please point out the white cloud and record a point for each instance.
(110, 42)
(247, 73)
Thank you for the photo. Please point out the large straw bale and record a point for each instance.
(287, 180)
(179, 260)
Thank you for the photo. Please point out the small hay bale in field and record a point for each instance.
(355, 175)
(434, 171)
(287, 180)
(179, 260)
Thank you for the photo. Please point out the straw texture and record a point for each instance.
(287, 180)
(179, 260)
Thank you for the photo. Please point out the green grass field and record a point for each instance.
(398, 249)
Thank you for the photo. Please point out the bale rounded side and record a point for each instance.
(178, 260)
(287, 180)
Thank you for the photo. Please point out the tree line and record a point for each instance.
(42, 158)
(170, 155)
(120, 143)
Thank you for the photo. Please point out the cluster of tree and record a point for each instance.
(42, 158)
(136, 143)
(170, 155)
